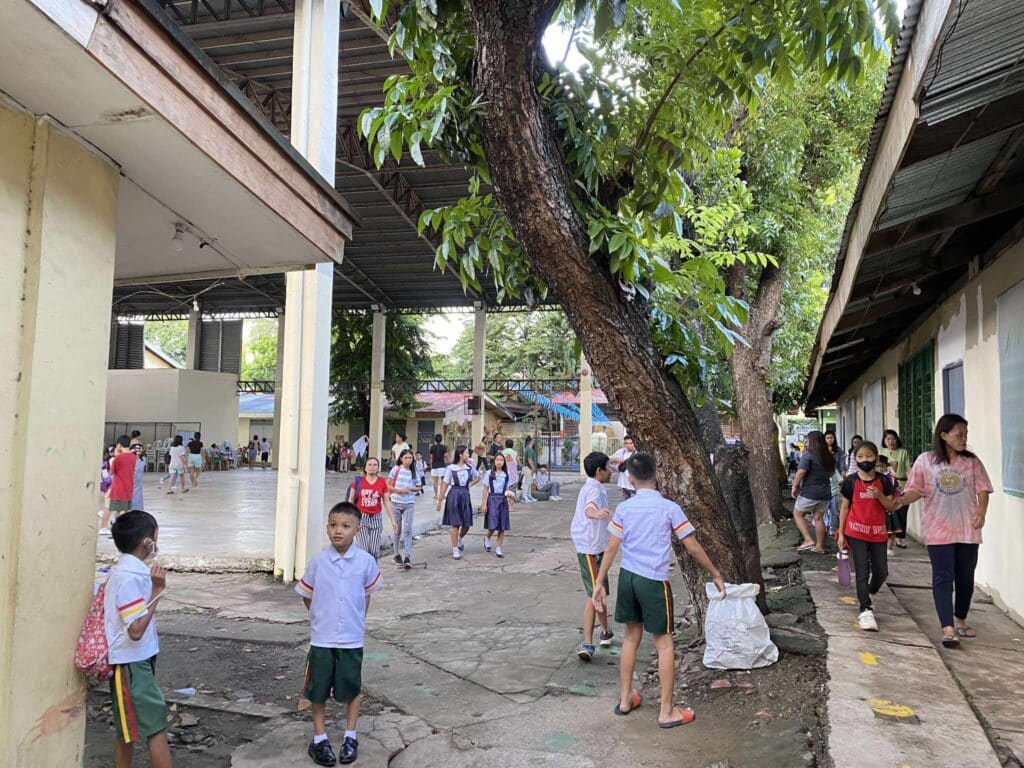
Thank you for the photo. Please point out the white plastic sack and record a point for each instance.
(735, 631)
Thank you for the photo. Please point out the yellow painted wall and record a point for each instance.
(966, 327)
(58, 212)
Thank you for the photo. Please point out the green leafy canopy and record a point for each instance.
(646, 129)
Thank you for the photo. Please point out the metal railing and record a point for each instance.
(506, 386)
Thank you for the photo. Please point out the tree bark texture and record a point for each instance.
(731, 462)
(749, 369)
(532, 184)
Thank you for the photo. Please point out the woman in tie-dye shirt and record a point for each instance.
(955, 488)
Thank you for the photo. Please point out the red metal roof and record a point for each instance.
(598, 397)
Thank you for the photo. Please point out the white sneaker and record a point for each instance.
(867, 622)
(487, 544)
(104, 531)
(456, 553)
(556, 498)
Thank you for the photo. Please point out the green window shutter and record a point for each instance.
(916, 404)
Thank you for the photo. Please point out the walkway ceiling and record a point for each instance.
(387, 263)
(956, 199)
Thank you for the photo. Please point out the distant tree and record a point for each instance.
(259, 350)
(169, 336)
(531, 344)
(407, 358)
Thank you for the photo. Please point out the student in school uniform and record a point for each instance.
(454, 495)
(619, 459)
(589, 532)
(438, 465)
(643, 527)
(497, 499)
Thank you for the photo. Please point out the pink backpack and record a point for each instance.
(91, 654)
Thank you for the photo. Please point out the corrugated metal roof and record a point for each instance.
(939, 181)
(980, 58)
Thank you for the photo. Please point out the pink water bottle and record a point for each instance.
(843, 567)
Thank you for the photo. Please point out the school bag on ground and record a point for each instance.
(91, 654)
(735, 632)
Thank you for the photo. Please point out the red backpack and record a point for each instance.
(91, 655)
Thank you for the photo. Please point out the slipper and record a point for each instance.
(812, 550)
(686, 717)
(901, 545)
(804, 547)
(634, 701)
(965, 632)
(950, 641)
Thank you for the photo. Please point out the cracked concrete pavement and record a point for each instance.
(476, 658)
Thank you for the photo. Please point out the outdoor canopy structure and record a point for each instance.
(941, 193)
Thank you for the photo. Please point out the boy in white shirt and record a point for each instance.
(590, 537)
(619, 459)
(336, 589)
(643, 527)
(129, 606)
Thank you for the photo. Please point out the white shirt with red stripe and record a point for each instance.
(337, 587)
(645, 524)
(128, 588)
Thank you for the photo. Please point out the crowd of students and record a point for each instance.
(338, 581)
(861, 496)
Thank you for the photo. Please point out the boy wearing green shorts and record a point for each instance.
(336, 589)
(590, 537)
(129, 607)
(642, 527)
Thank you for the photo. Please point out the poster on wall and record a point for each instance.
(1010, 311)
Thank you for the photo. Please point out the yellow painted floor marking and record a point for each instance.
(847, 600)
(887, 708)
(868, 658)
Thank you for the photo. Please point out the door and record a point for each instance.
(873, 412)
(953, 388)
(424, 436)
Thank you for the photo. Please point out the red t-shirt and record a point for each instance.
(122, 473)
(866, 520)
(368, 500)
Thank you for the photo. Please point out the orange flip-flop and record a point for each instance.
(634, 702)
(686, 717)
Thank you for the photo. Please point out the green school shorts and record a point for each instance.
(139, 708)
(589, 567)
(333, 670)
(644, 601)
(120, 506)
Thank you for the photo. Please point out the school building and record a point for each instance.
(926, 314)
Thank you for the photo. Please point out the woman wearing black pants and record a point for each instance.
(955, 488)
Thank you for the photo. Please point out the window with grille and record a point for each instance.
(917, 401)
(1010, 311)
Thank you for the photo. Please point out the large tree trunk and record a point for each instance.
(731, 467)
(532, 185)
(749, 368)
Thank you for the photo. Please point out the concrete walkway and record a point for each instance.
(896, 694)
(476, 661)
(989, 669)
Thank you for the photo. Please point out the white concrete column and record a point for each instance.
(58, 228)
(195, 330)
(275, 454)
(479, 358)
(302, 442)
(586, 413)
(376, 433)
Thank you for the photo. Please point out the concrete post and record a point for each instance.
(305, 370)
(275, 454)
(195, 330)
(376, 425)
(58, 227)
(586, 413)
(479, 358)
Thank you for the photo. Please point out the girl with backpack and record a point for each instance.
(369, 492)
(498, 493)
(404, 484)
(454, 495)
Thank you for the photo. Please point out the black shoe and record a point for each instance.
(349, 750)
(398, 559)
(322, 753)
(407, 563)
